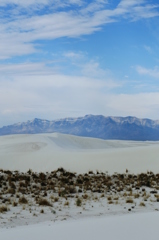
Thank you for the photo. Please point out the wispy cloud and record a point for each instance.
(148, 48)
(19, 34)
(25, 69)
(149, 72)
(131, 104)
(44, 95)
(94, 6)
(74, 56)
(60, 3)
(37, 89)
(49, 97)
(67, 78)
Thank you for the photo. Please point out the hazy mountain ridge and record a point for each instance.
(97, 126)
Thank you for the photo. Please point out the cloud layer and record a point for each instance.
(30, 21)
(38, 81)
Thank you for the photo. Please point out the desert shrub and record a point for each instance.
(66, 203)
(85, 196)
(3, 209)
(44, 202)
(14, 204)
(23, 200)
(11, 190)
(56, 199)
(124, 194)
(129, 200)
(45, 194)
(62, 193)
(116, 198)
(79, 181)
(22, 190)
(6, 200)
(109, 198)
(42, 211)
(78, 202)
(22, 184)
(142, 204)
(72, 190)
(136, 195)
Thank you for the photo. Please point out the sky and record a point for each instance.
(69, 58)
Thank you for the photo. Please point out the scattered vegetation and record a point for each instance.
(3, 209)
(42, 211)
(44, 202)
(129, 200)
(60, 186)
(23, 200)
(142, 204)
(78, 202)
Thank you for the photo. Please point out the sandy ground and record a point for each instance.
(96, 218)
(135, 226)
(47, 152)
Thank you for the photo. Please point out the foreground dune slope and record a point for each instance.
(136, 226)
(47, 152)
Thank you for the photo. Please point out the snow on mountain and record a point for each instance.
(97, 126)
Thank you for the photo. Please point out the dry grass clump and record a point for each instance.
(11, 190)
(3, 209)
(129, 200)
(109, 198)
(116, 198)
(136, 195)
(78, 202)
(42, 211)
(23, 200)
(85, 196)
(14, 204)
(157, 196)
(66, 203)
(56, 199)
(142, 204)
(61, 185)
(44, 202)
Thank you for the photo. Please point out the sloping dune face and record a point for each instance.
(47, 152)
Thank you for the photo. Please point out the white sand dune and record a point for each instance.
(135, 226)
(47, 152)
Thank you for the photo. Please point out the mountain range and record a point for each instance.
(96, 126)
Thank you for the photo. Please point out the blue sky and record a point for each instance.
(71, 58)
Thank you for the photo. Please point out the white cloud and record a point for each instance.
(18, 34)
(93, 69)
(25, 69)
(148, 49)
(34, 90)
(130, 3)
(141, 105)
(94, 6)
(73, 55)
(148, 11)
(149, 72)
(28, 3)
(56, 96)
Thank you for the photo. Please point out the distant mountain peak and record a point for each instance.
(97, 126)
